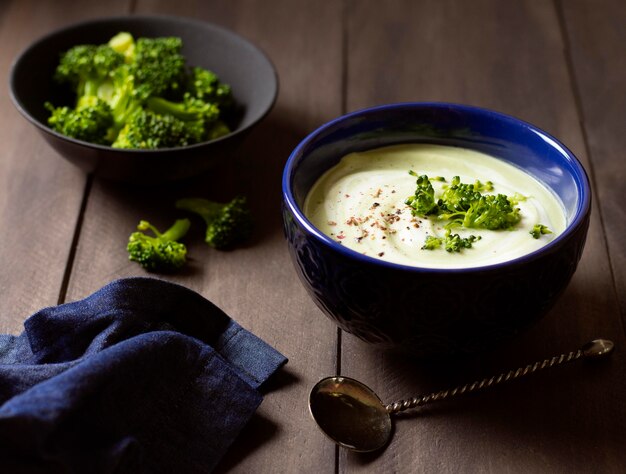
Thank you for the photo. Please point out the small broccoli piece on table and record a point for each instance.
(227, 224)
(90, 121)
(162, 252)
(539, 230)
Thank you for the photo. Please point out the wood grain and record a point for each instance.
(256, 284)
(596, 37)
(40, 194)
(509, 57)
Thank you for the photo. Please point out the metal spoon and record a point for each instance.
(353, 416)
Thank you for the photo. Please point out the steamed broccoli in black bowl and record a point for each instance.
(139, 94)
(185, 93)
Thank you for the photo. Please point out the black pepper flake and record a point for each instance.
(381, 254)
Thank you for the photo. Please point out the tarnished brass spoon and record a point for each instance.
(353, 416)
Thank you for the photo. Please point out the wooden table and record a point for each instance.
(558, 64)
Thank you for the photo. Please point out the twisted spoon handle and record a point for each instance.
(594, 349)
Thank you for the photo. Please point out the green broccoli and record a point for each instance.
(198, 115)
(90, 121)
(205, 85)
(147, 130)
(157, 66)
(423, 201)
(162, 252)
(432, 243)
(153, 101)
(87, 68)
(452, 242)
(455, 243)
(227, 224)
(539, 230)
(464, 205)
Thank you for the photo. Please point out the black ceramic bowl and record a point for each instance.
(434, 312)
(236, 61)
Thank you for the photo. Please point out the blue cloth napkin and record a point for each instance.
(142, 376)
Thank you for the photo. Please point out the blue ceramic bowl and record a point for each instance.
(235, 60)
(434, 312)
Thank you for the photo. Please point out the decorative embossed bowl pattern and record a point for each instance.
(434, 312)
(235, 60)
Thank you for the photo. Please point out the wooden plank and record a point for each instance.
(596, 36)
(507, 56)
(40, 194)
(256, 284)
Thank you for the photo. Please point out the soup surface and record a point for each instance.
(360, 203)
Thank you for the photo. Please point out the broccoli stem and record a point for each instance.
(209, 210)
(165, 107)
(176, 232)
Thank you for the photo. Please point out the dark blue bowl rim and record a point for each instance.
(582, 210)
(100, 20)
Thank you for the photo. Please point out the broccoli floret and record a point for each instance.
(147, 130)
(455, 243)
(492, 212)
(190, 109)
(87, 67)
(198, 115)
(432, 243)
(539, 230)
(464, 205)
(227, 224)
(205, 85)
(157, 66)
(90, 121)
(423, 201)
(452, 242)
(162, 252)
(100, 71)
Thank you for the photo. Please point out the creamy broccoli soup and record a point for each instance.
(362, 204)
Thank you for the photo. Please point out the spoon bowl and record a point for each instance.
(350, 414)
